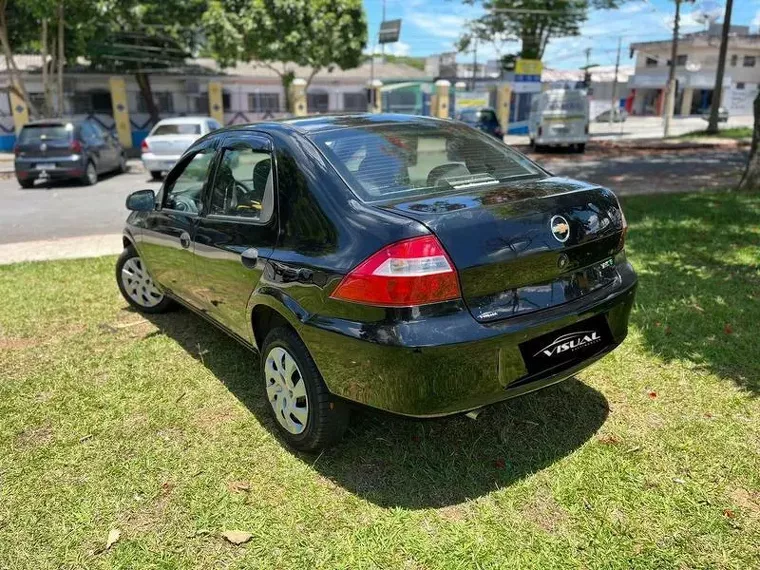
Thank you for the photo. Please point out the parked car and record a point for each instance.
(483, 119)
(405, 263)
(618, 116)
(65, 149)
(722, 114)
(170, 138)
(559, 117)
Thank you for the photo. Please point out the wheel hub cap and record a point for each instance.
(286, 390)
(138, 284)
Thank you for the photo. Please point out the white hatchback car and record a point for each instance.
(167, 141)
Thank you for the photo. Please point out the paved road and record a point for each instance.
(69, 210)
(65, 210)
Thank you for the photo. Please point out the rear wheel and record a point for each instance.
(580, 147)
(90, 174)
(122, 163)
(137, 286)
(307, 416)
(26, 183)
(155, 174)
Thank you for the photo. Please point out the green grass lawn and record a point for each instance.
(649, 459)
(723, 133)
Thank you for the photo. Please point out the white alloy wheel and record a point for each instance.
(92, 174)
(286, 390)
(138, 284)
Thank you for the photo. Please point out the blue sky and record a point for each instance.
(431, 26)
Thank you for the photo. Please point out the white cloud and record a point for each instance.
(438, 25)
(398, 48)
(756, 21)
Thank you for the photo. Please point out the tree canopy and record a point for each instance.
(533, 22)
(282, 33)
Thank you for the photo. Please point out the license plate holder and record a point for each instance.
(43, 166)
(566, 346)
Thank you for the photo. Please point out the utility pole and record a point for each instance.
(587, 69)
(382, 46)
(615, 81)
(671, 88)
(474, 62)
(712, 126)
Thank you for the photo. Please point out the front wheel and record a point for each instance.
(307, 416)
(581, 148)
(137, 286)
(155, 174)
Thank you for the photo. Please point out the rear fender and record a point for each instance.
(280, 302)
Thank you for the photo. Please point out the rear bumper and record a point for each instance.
(549, 140)
(404, 370)
(159, 162)
(55, 169)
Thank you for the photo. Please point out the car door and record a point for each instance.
(111, 148)
(238, 230)
(96, 147)
(167, 242)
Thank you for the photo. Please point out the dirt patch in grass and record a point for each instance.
(211, 418)
(544, 511)
(35, 436)
(748, 501)
(17, 343)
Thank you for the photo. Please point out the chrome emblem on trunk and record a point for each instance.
(43, 147)
(560, 228)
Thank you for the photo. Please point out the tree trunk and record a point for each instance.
(146, 91)
(712, 126)
(751, 179)
(47, 107)
(61, 22)
(17, 82)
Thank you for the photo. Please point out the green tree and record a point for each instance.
(533, 22)
(143, 36)
(281, 34)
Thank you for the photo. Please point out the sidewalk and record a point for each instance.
(64, 248)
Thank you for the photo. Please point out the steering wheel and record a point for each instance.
(185, 203)
(240, 200)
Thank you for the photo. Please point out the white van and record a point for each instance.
(559, 117)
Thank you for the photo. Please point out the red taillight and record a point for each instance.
(144, 146)
(75, 146)
(412, 272)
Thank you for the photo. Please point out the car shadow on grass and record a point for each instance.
(397, 462)
(698, 261)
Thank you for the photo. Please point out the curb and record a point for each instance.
(63, 248)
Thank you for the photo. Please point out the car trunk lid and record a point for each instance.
(525, 245)
(45, 141)
(170, 145)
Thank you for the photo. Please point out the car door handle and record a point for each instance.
(184, 240)
(249, 257)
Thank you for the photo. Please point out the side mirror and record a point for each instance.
(141, 201)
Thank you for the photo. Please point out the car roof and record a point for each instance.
(183, 120)
(321, 123)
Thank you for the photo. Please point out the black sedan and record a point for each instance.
(406, 263)
(66, 149)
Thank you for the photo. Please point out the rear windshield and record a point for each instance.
(177, 129)
(41, 133)
(567, 104)
(395, 161)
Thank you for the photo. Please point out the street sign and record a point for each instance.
(528, 67)
(389, 31)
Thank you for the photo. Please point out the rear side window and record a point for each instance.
(40, 133)
(243, 185)
(177, 129)
(394, 161)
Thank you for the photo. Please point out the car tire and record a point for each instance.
(580, 148)
(28, 183)
(137, 286)
(90, 176)
(293, 386)
(155, 174)
(122, 168)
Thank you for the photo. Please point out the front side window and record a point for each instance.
(390, 161)
(184, 190)
(243, 185)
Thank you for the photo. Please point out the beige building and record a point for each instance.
(696, 66)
